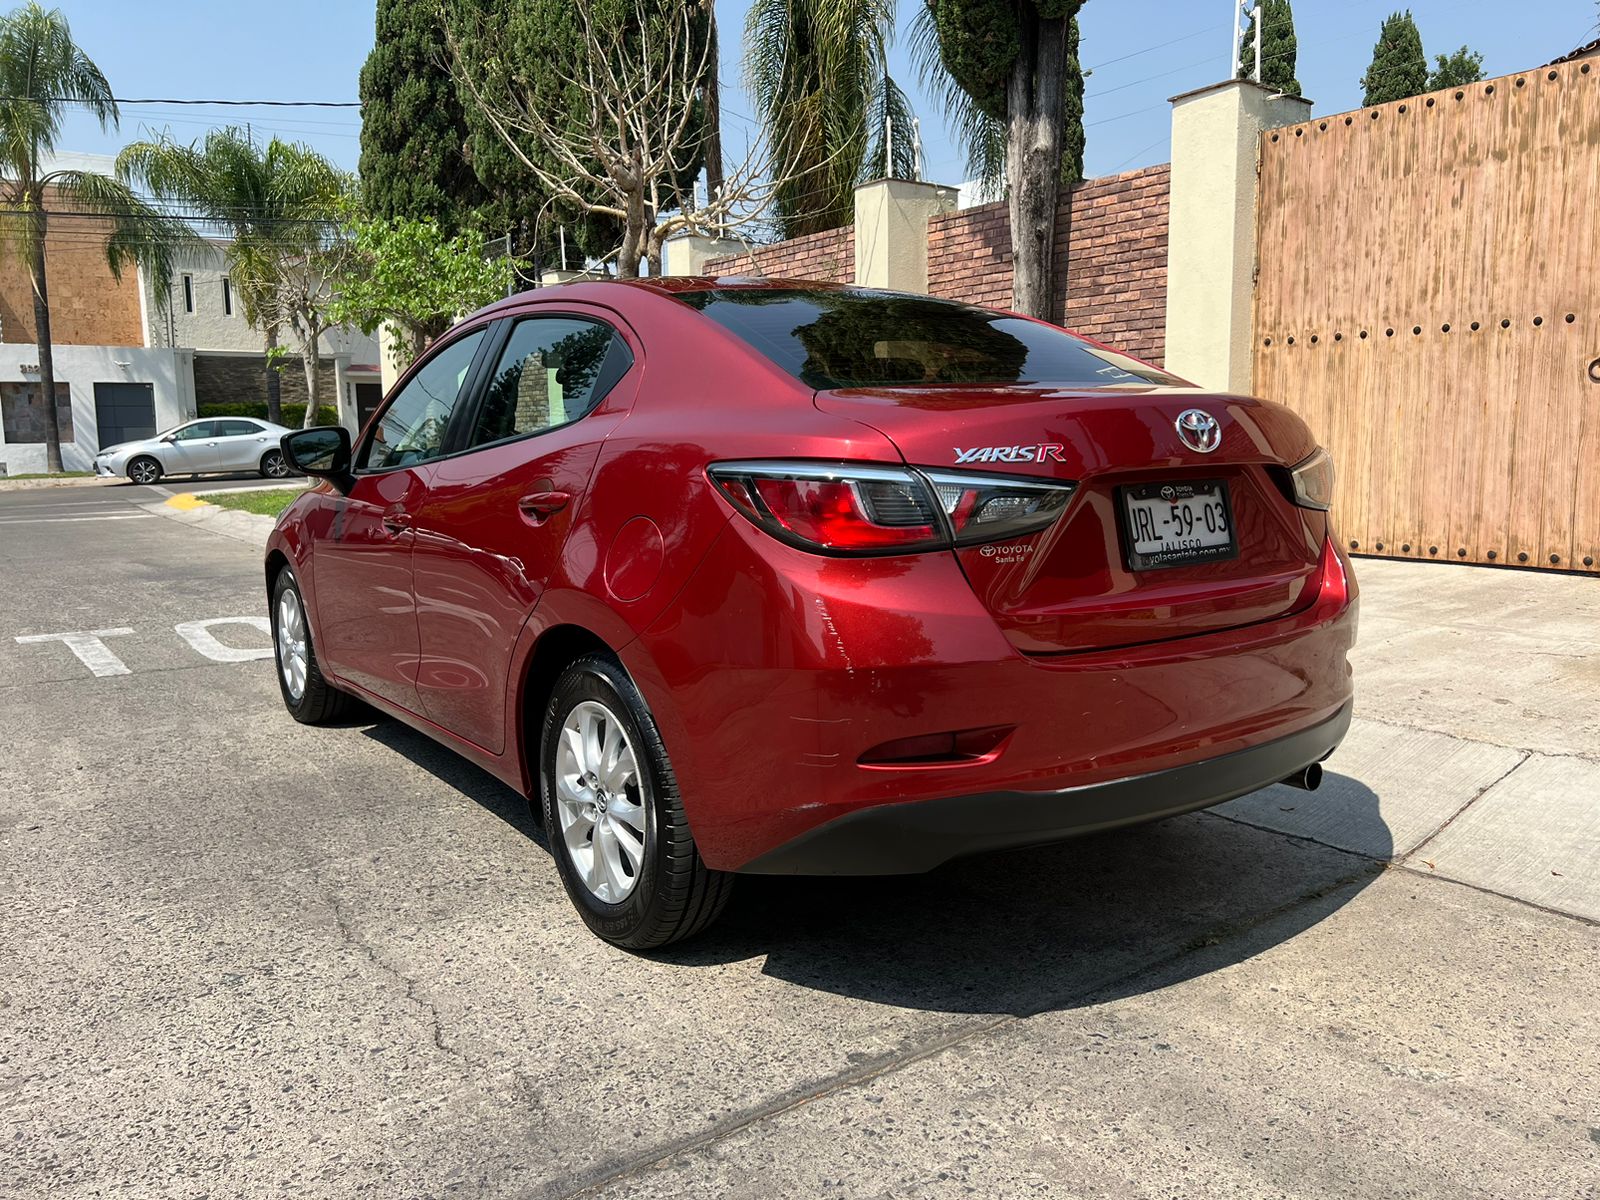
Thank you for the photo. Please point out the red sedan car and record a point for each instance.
(750, 576)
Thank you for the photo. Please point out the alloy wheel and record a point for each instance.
(601, 808)
(144, 471)
(276, 466)
(292, 650)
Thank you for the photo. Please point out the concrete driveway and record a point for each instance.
(239, 957)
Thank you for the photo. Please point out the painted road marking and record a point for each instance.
(54, 520)
(91, 651)
(198, 634)
(186, 501)
(102, 661)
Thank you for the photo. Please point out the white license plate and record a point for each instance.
(1172, 524)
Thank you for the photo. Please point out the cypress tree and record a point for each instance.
(1072, 136)
(1399, 68)
(1279, 48)
(412, 128)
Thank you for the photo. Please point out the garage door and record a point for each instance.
(124, 412)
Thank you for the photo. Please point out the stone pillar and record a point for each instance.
(689, 253)
(1211, 249)
(388, 373)
(892, 231)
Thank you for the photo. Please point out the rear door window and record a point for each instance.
(553, 371)
(855, 337)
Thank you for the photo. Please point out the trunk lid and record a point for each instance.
(1071, 587)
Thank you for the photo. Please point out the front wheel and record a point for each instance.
(144, 470)
(307, 694)
(613, 815)
(274, 465)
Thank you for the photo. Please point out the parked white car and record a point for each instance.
(214, 444)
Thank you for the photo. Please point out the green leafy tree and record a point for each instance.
(43, 73)
(1279, 47)
(269, 198)
(1013, 73)
(1456, 70)
(411, 275)
(819, 73)
(1399, 68)
(413, 130)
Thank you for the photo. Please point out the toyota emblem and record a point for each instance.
(1199, 430)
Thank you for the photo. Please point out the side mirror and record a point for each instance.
(170, 438)
(323, 452)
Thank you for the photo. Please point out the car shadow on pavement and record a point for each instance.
(1022, 931)
(1027, 931)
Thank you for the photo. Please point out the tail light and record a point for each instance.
(848, 508)
(1313, 481)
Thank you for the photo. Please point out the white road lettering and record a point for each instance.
(198, 634)
(91, 651)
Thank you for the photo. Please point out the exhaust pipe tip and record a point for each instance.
(1307, 779)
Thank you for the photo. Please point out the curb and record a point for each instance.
(251, 528)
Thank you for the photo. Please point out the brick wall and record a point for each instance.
(88, 307)
(828, 257)
(1110, 280)
(242, 378)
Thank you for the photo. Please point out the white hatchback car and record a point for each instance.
(203, 447)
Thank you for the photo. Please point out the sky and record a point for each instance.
(1140, 53)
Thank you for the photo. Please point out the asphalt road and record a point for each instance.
(241, 958)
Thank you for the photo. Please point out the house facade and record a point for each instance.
(131, 360)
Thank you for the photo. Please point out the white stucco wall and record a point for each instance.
(1211, 246)
(210, 327)
(171, 372)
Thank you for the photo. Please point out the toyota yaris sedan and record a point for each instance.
(204, 447)
(743, 576)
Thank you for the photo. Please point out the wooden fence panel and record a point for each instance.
(1428, 299)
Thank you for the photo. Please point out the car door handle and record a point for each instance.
(397, 522)
(537, 506)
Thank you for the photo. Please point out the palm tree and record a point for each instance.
(271, 200)
(819, 73)
(42, 73)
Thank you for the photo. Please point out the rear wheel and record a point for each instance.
(274, 465)
(307, 694)
(144, 469)
(613, 815)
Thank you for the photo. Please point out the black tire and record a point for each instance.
(319, 701)
(274, 465)
(675, 895)
(145, 470)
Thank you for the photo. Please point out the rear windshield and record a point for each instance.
(863, 338)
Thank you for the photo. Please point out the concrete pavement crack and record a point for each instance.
(350, 937)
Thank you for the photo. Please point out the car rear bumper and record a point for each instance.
(897, 839)
(778, 679)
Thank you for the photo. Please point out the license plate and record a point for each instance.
(1174, 524)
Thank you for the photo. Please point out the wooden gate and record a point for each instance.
(1428, 299)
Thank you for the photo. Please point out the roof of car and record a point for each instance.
(667, 285)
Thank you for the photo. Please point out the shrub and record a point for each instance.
(292, 415)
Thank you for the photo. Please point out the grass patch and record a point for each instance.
(269, 502)
(49, 475)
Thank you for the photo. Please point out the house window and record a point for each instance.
(188, 293)
(227, 297)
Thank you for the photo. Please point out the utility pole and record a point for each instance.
(1238, 32)
(1260, 19)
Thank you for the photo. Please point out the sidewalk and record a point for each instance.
(1475, 753)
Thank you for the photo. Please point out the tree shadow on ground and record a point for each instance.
(1021, 931)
